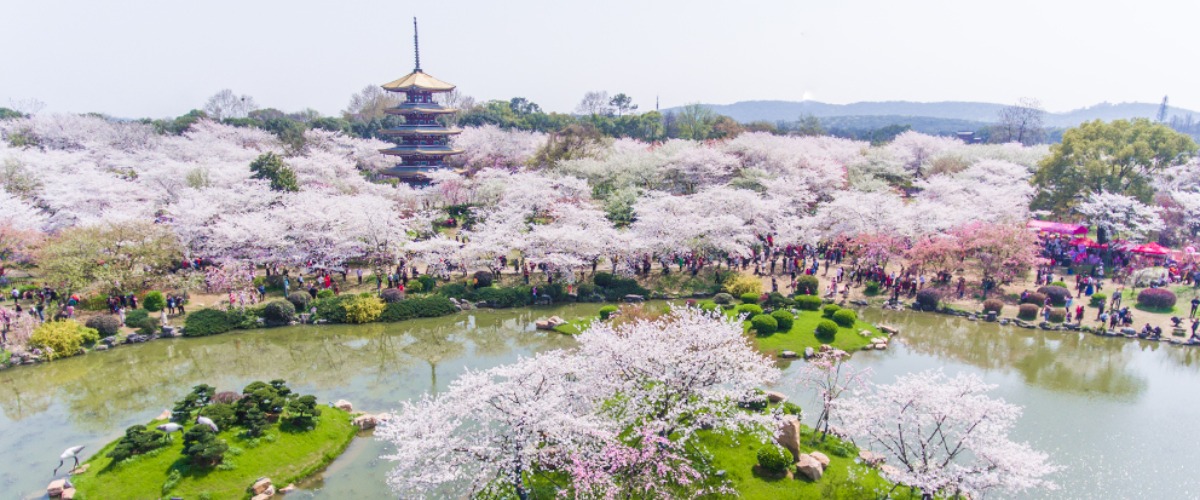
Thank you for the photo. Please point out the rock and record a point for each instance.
(1003, 321)
(556, 321)
(56, 487)
(262, 485)
(789, 434)
(542, 325)
(866, 333)
(972, 318)
(101, 347)
(870, 457)
(287, 489)
(1128, 331)
(365, 422)
(889, 471)
(787, 354)
(81, 469)
(775, 397)
(888, 330)
(808, 352)
(821, 458)
(260, 496)
(826, 348)
(634, 298)
(1178, 332)
(343, 405)
(877, 340)
(881, 346)
(68, 494)
(809, 467)
(482, 303)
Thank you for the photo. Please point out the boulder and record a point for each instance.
(101, 347)
(775, 397)
(972, 318)
(877, 340)
(866, 333)
(870, 457)
(826, 348)
(821, 457)
(262, 485)
(556, 321)
(68, 494)
(789, 434)
(365, 422)
(542, 325)
(634, 298)
(343, 405)
(888, 329)
(880, 346)
(808, 352)
(809, 467)
(1129, 331)
(56, 487)
(787, 354)
(81, 469)
(287, 489)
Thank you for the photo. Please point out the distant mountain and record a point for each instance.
(953, 113)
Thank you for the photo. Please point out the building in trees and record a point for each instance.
(422, 143)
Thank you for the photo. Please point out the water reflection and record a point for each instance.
(1071, 362)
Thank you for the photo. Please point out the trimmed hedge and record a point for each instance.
(419, 307)
(483, 279)
(154, 301)
(106, 324)
(928, 299)
(505, 297)
(1036, 298)
(1156, 298)
(614, 288)
(606, 311)
(750, 310)
(845, 317)
(279, 312)
(826, 331)
(774, 459)
(206, 322)
(722, 298)
(829, 310)
(808, 302)
(1058, 295)
(872, 288)
(1028, 311)
(1058, 315)
(363, 309)
(1097, 299)
(751, 298)
(784, 319)
(299, 300)
(807, 285)
(135, 316)
(764, 324)
(992, 305)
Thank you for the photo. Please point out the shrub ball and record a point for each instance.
(829, 310)
(1156, 298)
(992, 305)
(1058, 295)
(722, 298)
(279, 312)
(107, 324)
(808, 302)
(1028, 311)
(299, 300)
(391, 295)
(784, 319)
(807, 285)
(1036, 298)
(826, 331)
(845, 317)
(928, 299)
(774, 459)
(764, 324)
(750, 310)
(751, 298)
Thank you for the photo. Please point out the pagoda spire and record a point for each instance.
(416, 45)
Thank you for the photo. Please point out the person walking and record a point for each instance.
(1195, 305)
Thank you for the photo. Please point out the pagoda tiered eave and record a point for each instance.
(421, 150)
(407, 130)
(419, 109)
(418, 81)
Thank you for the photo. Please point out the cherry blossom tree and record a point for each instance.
(831, 376)
(1120, 215)
(945, 436)
(1002, 251)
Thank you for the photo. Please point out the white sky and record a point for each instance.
(161, 58)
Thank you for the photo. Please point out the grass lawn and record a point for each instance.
(737, 456)
(575, 326)
(802, 335)
(291, 457)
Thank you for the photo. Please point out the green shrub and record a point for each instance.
(202, 447)
(993, 305)
(845, 317)
(106, 324)
(606, 311)
(325, 294)
(774, 459)
(764, 324)
(154, 301)
(776, 300)
(483, 279)
(709, 307)
(145, 326)
(841, 448)
(94, 303)
(1156, 298)
(1058, 284)
(826, 331)
(1036, 298)
(63, 338)
(279, 312)
(738, 284)
(603, 279)
(135, 316)
(1028, 312)
(615, 288)
(222, 414)
(1058, 295)
(1058, 315)
(872, 288)
(1097, 299)
(428, 283)
(505, 297)
(750, 310)
(722, 298)
(808, 302)
(456, 290)
(332, 309)
(418, 307)
(807, 285)
(928, 299)
(363, 309)
(751, 298)
(784, 319)
(790, 408)
(302, 412)
(136, 441)
(300, 300)
(206, 322)
(829, 309)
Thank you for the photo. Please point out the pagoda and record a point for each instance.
(422, 143)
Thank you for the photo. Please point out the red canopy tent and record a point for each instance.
(1056, 227)
(1087, 242)
(1152, 249)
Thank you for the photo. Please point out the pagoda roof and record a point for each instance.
(412, 170)
(421, 130)
(418, 80)
(421, 150)
(419, 108)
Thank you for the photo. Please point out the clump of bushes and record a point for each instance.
(135, 316)
(774, 459)
(202, 447)
(614, 287)
(776, 300)
(845, 317)
(418, 307)
(807, 285)
(784, 319)
(872, 288)
(1028, 311)
(363, 309)
(607, 311)
(106, 324)
(741, 284)
(751, 298)
(1058, 315)
(505, 297)
(325, 294)
(722, 298)
(808, 302)
(1097, 299)
(206, 322)
(1156, 298)
(63, 338)
(764, 324)
(393, 295)
(136, 441)
(299, 300)
(829, 310)
(279, 312)
(1037, 298)
(1058, 294)
(709, 307)
(992, 305)
(928, 299)
(750, 310)
(826, 331)
(154, 301)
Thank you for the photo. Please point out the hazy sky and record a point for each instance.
(161, 58)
